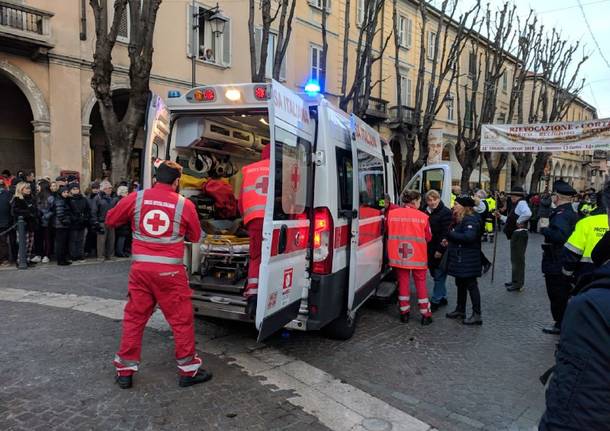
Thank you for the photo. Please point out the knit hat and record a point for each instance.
(64, 189)
(73, 185)
(95, 185)
(465, 201)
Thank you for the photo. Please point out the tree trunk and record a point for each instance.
(524, 162)
(467, 170)
(495, 169)
(539, 165)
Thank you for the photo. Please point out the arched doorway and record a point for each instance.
(100, 163)
(16, 129)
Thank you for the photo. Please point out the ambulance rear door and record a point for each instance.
(433, 177)
(156, 127)
(283, 272)
(366, 245)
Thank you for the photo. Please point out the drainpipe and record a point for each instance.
(381, 41)
(83, 19)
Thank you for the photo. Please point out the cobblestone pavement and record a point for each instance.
(450, 376)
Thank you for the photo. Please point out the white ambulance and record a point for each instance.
(323, 235)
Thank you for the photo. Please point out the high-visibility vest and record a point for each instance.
(491, 203)
(586, 235)
(254, 190)
(453, 198)
(407, 246)
(489, 220)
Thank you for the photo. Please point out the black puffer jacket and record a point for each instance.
(62, 212)
(464, 251)
(80, 212)
(6, 218)
(100, 205)
(25, 208)
(440, 221)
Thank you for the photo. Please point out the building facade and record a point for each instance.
(50, 122)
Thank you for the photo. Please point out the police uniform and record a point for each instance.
(561, 225)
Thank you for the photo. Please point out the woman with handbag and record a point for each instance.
(464, 259)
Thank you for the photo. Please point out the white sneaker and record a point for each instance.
(45, 259)
(36, 259)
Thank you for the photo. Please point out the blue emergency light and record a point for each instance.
(172, 94)
(312, 88)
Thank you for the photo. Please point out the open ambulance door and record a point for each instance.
(156, 127)
(366, 245)
(433, 177)
(283, 271)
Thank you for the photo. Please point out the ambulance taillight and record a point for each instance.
(323, 241)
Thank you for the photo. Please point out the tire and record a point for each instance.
(342, 328)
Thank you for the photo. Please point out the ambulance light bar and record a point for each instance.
(201, 95)
(173, 94)
(261, 92)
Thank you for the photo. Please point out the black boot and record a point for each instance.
(125, 382)
(404, 317)
(475, 319)
(426, 320)
(456, 314)
(251, 306)
(553, 330)
(202, 376)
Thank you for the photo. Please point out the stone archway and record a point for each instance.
(40, 113)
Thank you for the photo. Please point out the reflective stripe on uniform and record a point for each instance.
(124, 364)
(407, 238)
(586, 259)
(408, 262)
(175, 235)
(156, 259)
(422, 301)
(405, 308)
(403, 298)
(136, 215)
(160, 240)
(566, 272)
(253, 281)
(574, 249)
(253, 209)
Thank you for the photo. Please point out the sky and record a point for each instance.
(567, 16)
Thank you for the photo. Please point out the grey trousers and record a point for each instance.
(518, 245)
(105, 244)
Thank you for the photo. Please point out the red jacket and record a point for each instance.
(408, 235)
(160, 220)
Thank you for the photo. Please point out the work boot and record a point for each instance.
(475, 319)
(513, 288)
(553, 329)
(426, 320)
(202, 376)
(251, 306)
(456, 314)
(434, 306)
(125, 382)
(509, 284)
(404, 317)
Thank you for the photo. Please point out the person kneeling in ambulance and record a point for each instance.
(252, 202)
(408, 235)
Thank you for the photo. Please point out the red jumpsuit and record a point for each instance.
(252, 202)
(160, 219)
(408, 235)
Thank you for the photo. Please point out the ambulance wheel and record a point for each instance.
(342, 328)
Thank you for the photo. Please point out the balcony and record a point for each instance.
(377, 110)
(404, 117)
(24, 30)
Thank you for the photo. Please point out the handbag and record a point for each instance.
(444, 263)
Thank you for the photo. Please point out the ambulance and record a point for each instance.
(323, 236)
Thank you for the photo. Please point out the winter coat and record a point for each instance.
(123, 230)
(545, 209)
(100, 205)
(25, 208)
(62, 213)
(561, 225)
(6, 218)
(80, 212)
(464, 251)
(440, 220)
(578, 395)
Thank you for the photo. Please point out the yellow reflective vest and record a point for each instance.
(586, 235)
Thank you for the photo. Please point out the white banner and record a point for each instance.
(551, 137)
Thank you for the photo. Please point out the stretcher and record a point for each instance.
(225, 257)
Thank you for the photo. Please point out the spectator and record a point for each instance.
(43, 241)
(464, 259)
(91, 237)
(80, 213)
(61, 181)
(54, 188)
(122, 233)
(7, 178)
(102, 203)
(545, 210)
(440, 220)
(534, 204)
(6, 221)
(23, 205)
(61, 209)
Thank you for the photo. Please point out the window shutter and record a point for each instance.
(189, 30)
(360, 11)
(401, 31)
(409, 31)
(258, 40)
(409, 95)
(226, 45)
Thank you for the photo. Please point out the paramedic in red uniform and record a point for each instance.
(160, 219)
(252, 202)
(408, 235)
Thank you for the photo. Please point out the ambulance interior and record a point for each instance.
(212, 149)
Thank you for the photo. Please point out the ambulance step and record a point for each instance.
(210, 283)
(221, 311)
(385, 291)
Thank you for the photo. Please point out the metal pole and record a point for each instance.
(493, 260)
(480, 168)
(194, 49)
(22, 255)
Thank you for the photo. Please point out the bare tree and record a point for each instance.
(258, 49)
(121, 134)
(324, 45)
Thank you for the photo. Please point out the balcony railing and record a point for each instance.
(377, 109)
(402, 117)
(24, 28)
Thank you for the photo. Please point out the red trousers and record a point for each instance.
(167, 285)
(255, 233)
(404, 293)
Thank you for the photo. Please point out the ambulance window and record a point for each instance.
(292, 162)
(433, 180)
(370, 182)
(345, 178)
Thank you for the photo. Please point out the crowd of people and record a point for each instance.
(61, 222)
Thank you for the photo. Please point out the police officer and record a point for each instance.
(490, 220)
(252, 201)
(160, 220)
(561, 225)
(577, 260)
